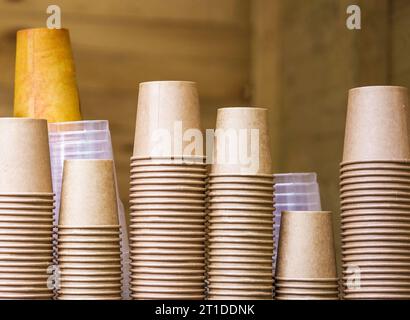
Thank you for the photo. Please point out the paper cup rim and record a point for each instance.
(28, 194)
(241, 175)
(377, 87)
(314, 280)
(88, 227)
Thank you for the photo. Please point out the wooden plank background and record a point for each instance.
(304, 61)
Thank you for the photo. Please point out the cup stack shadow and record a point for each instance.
(240, 238)
(26, 210)
(89, 252)
(167, 195)
(375, 195)
(306, 265)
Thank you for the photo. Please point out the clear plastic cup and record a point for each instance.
(104, 146)
(75, 136)
(80, 143)
(296, 188)
(73, 155)
(297, 198)
(312, 206)
(88, 125)
(309, 177)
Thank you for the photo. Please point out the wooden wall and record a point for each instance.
(304, 62)
(400, 37)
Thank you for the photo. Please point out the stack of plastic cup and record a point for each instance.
(85, 140)
(89, 253)
(375, 197)
(167, 194)
(240, 240)
(294, 192)
(26, 210)
(306, 267)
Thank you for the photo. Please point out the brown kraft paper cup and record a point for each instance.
(166, 106)
(88, 196)
(306, 249)
(253, 155)
(24, 156)
(376, 125)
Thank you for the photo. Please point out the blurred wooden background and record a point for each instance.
(294, 56)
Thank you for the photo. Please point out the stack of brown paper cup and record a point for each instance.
(375, 195)
(240, 197)
(89, 258)
(26, 210)
(306, 265)
(167, 194)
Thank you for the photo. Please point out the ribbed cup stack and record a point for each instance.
(240, 228)
(85, 140)
(26, 210)
(306, 266)
(294, 192)
(375, 195)
(167, 194)
(89, 253)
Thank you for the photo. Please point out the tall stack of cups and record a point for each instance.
(89, 253)
(240, 231)
(85, 140)
(294, 192)
(375, 196)
(26, 210)
(306, 266)
(167, 194)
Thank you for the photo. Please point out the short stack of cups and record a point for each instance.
(240, 208)
(306, 266)
(26, 210)
(89, 252)
(167, 195)
(294, 192)
(85, 140)
(375, 195)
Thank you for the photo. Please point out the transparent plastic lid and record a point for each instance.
(314, 206)
(79, 143)
(80, 147)
(307, 177)
(299, 198)
(86, 125)
(296, 188)
(73, 155)
(62, 137)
